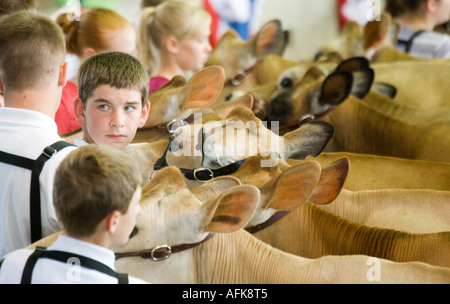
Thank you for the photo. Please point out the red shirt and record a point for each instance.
(65, 117)
(156, 83)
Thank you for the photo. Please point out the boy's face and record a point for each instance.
(111, 116)
(128, 220)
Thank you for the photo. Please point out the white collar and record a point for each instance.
(99, 253)
(27, 118)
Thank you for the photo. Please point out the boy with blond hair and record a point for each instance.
(113, 99)
(96, 194)
(32, 75)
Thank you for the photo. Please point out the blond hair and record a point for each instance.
(92, 30)
(32, 49)
(177, 18)
(91, 183)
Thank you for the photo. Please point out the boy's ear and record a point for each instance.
(78, 109)
(112, 221)
(88, 52)
(144, 114)
(62, 79)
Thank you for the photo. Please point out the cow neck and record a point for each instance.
(161, 253)
(272, 220)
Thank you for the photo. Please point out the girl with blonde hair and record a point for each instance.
(173, 40)
(99, 30)
(418, 19)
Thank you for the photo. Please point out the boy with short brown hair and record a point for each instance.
(113, 99)
(96, 195)
(32, 75)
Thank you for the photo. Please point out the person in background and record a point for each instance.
(99, 30)
(173, 40)
(32, 75)
(11, 6)
(94, 212)
(418, 19)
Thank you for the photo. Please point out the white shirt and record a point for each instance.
(47, 271)
(427, 45)
(26, 133)
(79, 142)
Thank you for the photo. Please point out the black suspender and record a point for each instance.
(63, 257)
(35, 194)
(409, 43)
(1, 261)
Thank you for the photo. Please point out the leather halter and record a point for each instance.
(199, 174)
(307, 118)
(239, 77)
(161, 253)
(275, 218)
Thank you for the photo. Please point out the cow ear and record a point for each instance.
(353, 64)
(223, 109)
(362, 82)
(203, 88)
(243, 114)
(269, 39)
(310, 139)
(385, 89)
(363, 75)
(168, 176)
(376, 31)
(331, 181)
(291, 188)
(336, 88)
(215, 187)
(232, 210)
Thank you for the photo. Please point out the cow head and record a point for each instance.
(214, 143)
(284, 187)
(312, 94)
(173, 215)
(237, 55)
(366, 41)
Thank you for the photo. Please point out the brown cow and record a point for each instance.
(359, 128)
(173, 215)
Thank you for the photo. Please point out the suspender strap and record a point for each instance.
(1, 262)
(409, 43)
(29, 266)
(35, 194)
(64, 257)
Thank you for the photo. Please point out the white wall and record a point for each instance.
(311, 24)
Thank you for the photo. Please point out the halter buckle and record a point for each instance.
(237, 79)
(306, 118)
(165, 251)
(171, 123)
(211, 174)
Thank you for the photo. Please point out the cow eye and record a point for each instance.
(286, 83)
(134, 232)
